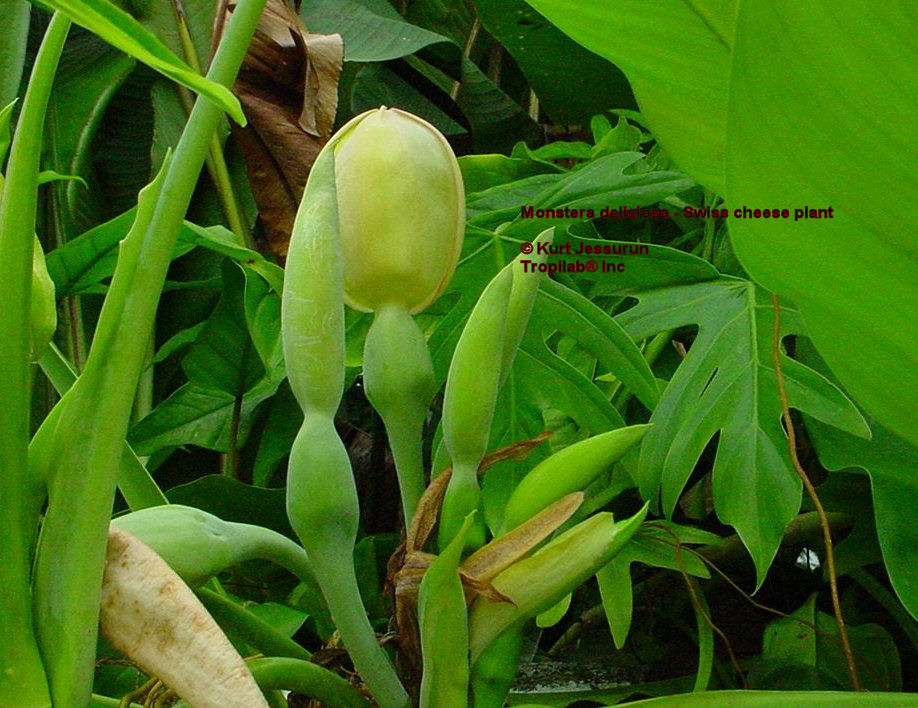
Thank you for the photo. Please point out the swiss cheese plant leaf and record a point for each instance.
(726, 385)
(117, 27)
(685, 58)
(195, 415)
(654, 545)
(677, 56)
(892, 464)
(609, 181)
(852, 276)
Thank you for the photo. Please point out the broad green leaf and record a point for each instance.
(285, 620)
(370, 34)
(572, 84)
(118, 28)
(480, 172)
(90, 74)
(121, 149)
(378, 85)
(90, 258)
(652, 545)
(262, 315)
(892, 465)
(283, 423)
(609, 181)
(727, 385)
(177, 342)
(195, 415)
(789, 648)
(13, 48)
(497, 120)
(803, 139)
(223, 356)
(676, 54)
(161, 19)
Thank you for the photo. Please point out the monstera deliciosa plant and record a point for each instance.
(315, 390)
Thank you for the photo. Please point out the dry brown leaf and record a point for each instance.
(502, 552)
(515, 451)
(288, 87)
(408, 563)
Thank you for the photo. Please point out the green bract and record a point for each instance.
(536, 583)
(568, 470)
(43, 310)
(401, 210)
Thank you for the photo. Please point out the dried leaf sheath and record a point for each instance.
(288, 87)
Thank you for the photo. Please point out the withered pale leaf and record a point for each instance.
(288, 87)
(502, 552)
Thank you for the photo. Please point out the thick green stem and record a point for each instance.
(90, 438)
(134, 481)
(495, 670)
(337, 575)
(463, 496)
(399, 381)
(13, 48)
(22, 678)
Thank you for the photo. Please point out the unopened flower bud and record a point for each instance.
(401, 210)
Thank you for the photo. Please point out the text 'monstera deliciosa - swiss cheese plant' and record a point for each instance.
(300, 406)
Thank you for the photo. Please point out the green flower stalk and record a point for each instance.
(401, 219)
(22, 678)
(468, 407)
(321, 495)
(88, 442)
(443, 621)
(481, 363)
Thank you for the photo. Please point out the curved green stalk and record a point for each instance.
(22, 678)
(96, 411)
(444, 626)
(308, 679)
(322, 500)
(496, 668)
(399, 381)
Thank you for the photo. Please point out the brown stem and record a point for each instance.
(811, 491)
(799, 530)
(466, 52)
(696, 603)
